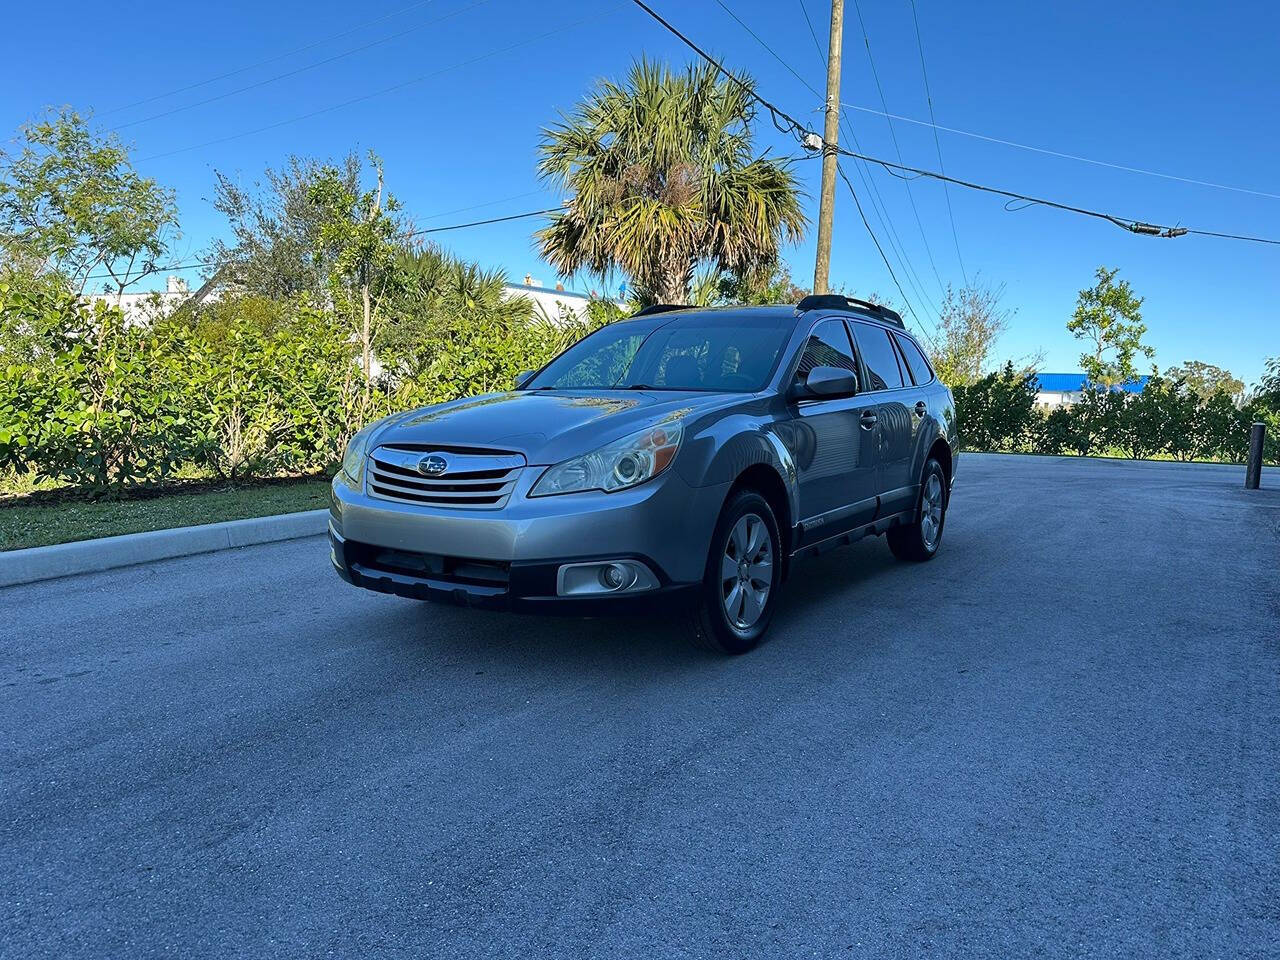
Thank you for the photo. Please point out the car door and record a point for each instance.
(894, 398)
(834, 442)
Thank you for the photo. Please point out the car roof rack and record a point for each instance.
(836, 301)
(660, 308)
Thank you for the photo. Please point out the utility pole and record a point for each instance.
(830, 134)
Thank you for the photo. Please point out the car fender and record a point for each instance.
(725, 450)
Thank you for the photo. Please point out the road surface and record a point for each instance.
(1059, 739)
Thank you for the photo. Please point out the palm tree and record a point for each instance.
(661, 178)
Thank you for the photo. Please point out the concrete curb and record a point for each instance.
(88, 556)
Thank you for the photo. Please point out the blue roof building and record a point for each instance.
(1059, 389)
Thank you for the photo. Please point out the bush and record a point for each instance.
(248, 388)
(1165, 420)
(97, 403)
(255, 387)
(997, 411)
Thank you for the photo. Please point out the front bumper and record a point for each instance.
(508, 558)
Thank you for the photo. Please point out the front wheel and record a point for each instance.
(920, 539)
(739, 590)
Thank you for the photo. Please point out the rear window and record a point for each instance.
(916, 362)
(878, 355)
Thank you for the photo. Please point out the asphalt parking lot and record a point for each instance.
(1060, 738)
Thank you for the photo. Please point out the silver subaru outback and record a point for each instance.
(682, 456)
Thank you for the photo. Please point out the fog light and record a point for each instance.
(615, 576)
(604, 576)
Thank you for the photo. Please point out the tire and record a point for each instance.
(920, 539)
(746, 518)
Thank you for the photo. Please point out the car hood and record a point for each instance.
(545, 426)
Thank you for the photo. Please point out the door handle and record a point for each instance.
(921, 408)
(869, 420)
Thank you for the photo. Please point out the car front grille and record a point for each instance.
(475, 479)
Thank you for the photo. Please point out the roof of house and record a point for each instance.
(1076, 382)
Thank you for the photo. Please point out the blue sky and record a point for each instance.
(1178, 87)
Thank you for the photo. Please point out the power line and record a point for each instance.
(888, 266)
(928, 95)
(878, 205)
(262, 63)
(893, 135)
(870, 184)
(807, 136)
(196, 264)
(481, 223)
(1057, 153)
(1124, 223)
(303, 69)
(384, 90)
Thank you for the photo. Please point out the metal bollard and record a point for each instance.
(1253, 472)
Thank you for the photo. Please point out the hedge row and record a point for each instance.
(90, 401)
(1165, 420)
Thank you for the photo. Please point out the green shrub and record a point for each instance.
(997, 411)
(97, 403)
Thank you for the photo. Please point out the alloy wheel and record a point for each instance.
(931, 511)
(746, 571)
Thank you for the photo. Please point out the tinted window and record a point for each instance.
(916, 362)
(721, 352)
(879, 356)
(828, 346)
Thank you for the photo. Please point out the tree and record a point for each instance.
(770, 284)
(1109, 317)
(356, 237)
(438, 299)
(1267, 393)
(996, 411)
(71, 203)
(661, 177)
(1205, 379)
(275, 248)
(971, 320)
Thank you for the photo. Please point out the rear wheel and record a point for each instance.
(740, 587)
(921, 539)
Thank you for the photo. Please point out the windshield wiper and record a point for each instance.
(642, 386)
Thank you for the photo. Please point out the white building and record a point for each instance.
(551, 303)
(138, 306)
(141, 305)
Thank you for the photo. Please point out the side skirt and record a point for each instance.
(875, 528)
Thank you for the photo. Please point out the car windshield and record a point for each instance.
(722, 352)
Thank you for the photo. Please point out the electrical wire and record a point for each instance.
(882, 217)
(1057, 153)
(1124, 223)
(888, 266)
(928, 96)
(893, 135)
(262, 63)
(599, 15)
(303, 69)
(481, 223)
(878, 205)
(804, 134)
(196, 264)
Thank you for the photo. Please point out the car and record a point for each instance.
(680, 460)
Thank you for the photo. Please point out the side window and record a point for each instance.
(916, 363)
(879, 356)
(828, 346)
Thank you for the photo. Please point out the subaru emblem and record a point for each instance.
(433, 465)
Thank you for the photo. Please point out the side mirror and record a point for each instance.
(523, 377)
(826, 382)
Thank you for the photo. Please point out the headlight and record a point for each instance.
(353, 458)
(615, 466)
